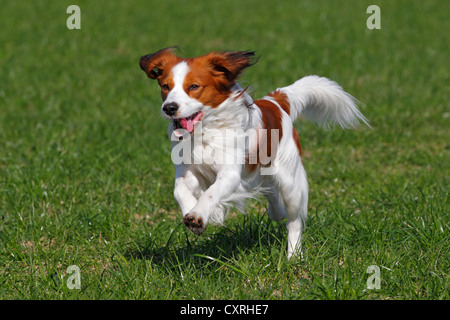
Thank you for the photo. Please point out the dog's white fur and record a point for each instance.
(205, 188)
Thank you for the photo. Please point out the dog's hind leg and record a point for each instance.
(293, 188)
(276, 209)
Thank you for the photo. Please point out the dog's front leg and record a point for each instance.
(227, 180)
(186, 185)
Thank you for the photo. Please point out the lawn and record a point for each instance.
(86, 177)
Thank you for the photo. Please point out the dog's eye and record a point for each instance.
(165, 87)
(193, 87)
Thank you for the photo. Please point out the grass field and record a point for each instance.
(86, 177)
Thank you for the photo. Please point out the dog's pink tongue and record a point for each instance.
(187, 124)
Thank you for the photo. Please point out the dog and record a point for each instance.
(228, 148)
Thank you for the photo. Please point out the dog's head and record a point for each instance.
(190, 84)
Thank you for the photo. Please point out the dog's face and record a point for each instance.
(188, 85)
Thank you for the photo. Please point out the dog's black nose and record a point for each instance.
(170, 108)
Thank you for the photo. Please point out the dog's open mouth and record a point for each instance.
(189, 122)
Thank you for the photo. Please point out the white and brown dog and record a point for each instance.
(233, 147)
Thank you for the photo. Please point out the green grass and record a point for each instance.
(86, 176)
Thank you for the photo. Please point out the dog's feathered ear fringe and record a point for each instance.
(154, 64)
(231, 63)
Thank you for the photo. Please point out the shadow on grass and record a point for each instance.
(250, 234)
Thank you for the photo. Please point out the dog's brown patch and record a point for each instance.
(272, 120)
(215, 74)
(282, 99)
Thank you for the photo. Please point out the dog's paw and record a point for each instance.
(194, 223)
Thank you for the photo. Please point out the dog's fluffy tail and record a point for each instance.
(322, 101)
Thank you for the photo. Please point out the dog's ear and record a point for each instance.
(154, 64)
(230, 64)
